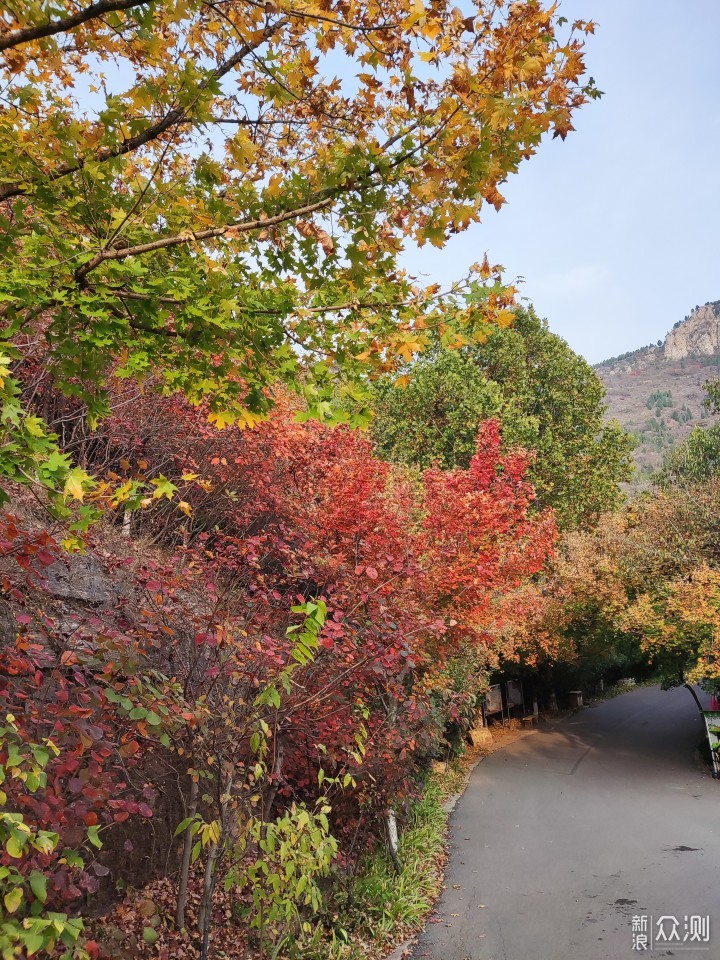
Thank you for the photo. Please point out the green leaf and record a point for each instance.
(33, 942)
(93, 835)
(15, 845)
(182, 826)
(46, 841)
(13, 899)
(38, 885)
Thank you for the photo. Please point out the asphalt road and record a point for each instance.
(566, 835)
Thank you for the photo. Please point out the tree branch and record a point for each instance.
(324, 199)
(190, 236)
(172, 118)
(266, 312)
(26, 34)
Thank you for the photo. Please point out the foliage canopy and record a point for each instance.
(548, 399)
(170, 171)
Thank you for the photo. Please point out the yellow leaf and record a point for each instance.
(275, 185)
(505, 318)
(74, 484)
(247, 419)
(223, 419)
(34, 426)
(73, 545)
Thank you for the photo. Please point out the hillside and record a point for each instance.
(656, 392)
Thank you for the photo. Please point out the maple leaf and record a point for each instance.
(163, 488)
(75, 484)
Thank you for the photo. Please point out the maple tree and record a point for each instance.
(586, 592)
(671, 560)
(678, 625)
(217, 192)
(329, 519)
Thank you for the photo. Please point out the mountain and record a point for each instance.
(656, 392)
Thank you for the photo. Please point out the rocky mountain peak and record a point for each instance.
(656, 392)
(696, 336)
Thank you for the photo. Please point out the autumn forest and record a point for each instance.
(275, 513)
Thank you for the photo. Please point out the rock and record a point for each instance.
(698, 336)
(79, 577)
(479, 736)
(672, 372)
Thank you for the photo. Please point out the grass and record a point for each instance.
(618, 689)
(384, 908)
(389, 903)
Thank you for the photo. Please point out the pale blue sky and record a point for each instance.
(616, 230)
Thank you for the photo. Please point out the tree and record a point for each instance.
(642, 589)
(171, 169)
(587, 590)
(548, 399)
(697, 458)
(678, 626)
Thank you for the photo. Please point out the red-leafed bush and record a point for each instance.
(422, 580)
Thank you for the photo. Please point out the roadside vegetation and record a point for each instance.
(238, 629)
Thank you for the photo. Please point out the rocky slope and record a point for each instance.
(656, 392)
(697, 336)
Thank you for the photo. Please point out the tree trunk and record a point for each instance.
(205, 912)
(271, 793)
(185, 864)
(695, 697)
(211, 871)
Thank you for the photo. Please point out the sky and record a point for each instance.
(615, 231)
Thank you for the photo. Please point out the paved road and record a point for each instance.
(566, 835)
